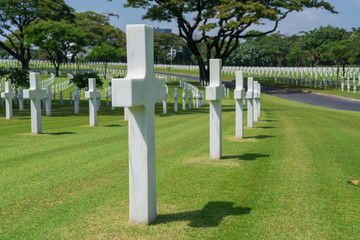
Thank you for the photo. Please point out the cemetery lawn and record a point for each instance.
(287, 179)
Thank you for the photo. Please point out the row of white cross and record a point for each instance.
(138, 92)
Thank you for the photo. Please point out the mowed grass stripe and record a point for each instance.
(275, 183)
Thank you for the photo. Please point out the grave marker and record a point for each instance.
(250, 101)
(239, 95)
(93, 95)
(76, 100)
(139, 91)
(184, 99)
(8, 95)
(47, 98)
(21, 99)
(35, 94)
(175, 100)
(215, 93)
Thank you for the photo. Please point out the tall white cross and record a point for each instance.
(21, 99)
(165, 100)
(93, 94)
(250, 100)
(239, 94)
(215, 93)
(76, 100)
(139, 91)
(48, 97)
(35, 93)
(255, 102)
(8, 95)
(175, 100)
(184, 99)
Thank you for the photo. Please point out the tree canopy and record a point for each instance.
(57, 38)
(221, 23)
(17, 15)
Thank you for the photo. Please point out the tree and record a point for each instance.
(339, 52)
(17, 15)
(19, 78)
(57, 38)
(163, 42)
(97, 30)
(105, 53)
(81, 80)
(314, 40)
(221, 23)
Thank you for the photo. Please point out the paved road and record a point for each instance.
(322, 100)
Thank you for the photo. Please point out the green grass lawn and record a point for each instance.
(287, 179)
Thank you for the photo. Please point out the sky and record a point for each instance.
(348, 17)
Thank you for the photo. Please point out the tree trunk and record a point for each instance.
(105, 69)
(25, 64)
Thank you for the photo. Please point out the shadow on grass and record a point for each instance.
(246, 156)
(259, 137)
(210, 216)
(59, 133)
(112, 125)
(265, 127)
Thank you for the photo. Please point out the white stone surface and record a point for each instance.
(190, 99)
(255, 102)
(239, 95)
(76, 100)
(215, 93)
(126, 113)
(35, 94)
(21, 99)
(165, 100)
(48, 100)
(139, 91)
(175, 100)
(250, 101)
(184, 99)
(8, 95)
(93, 95)
(71, 97)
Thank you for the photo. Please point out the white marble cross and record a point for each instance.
(250, 101)
(21, 99)
(48, 97)
(184, 99)
(255, 102)
(258, 99)
(8, 95)
(175, 100)
(93, 95)
(239, 95)
(165, 100)
(215, 93)
(76, 100)
(190, 99)
(35, 94)
(139, 91)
